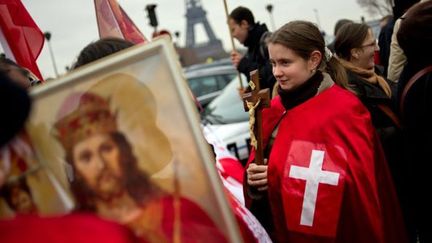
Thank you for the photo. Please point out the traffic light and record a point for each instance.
(151, 13)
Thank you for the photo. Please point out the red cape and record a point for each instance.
(328, 178)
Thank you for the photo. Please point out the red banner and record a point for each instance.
(113, 21)
(21, 38)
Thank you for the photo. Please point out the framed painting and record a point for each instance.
(123, 138)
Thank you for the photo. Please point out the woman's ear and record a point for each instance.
(315, 60)
(355, 53)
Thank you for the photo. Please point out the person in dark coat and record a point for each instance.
(252, 35)
(384, 40)
(15, 106)
(415, 38)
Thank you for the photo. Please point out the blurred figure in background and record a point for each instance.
(18, 74)
(415, 88)
(252, 35)
(15, 106)
(19, 198)
(337, 27)
(384, 39)
(99, 49)
(397, 59)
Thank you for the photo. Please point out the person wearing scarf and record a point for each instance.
(325, 178)
(355, 46)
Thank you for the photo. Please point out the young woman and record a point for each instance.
(325, 179)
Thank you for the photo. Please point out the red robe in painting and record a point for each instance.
(156, 223)
(171, 219)
(84, 228)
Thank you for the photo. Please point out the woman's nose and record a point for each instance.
(276, 71)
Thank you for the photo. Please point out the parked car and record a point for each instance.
(220, 62)
(226, 117)
(207, 80)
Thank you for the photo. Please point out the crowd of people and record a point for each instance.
(345, 138)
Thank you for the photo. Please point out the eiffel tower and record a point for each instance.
(195, 15)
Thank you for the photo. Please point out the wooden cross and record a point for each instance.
(254, 102)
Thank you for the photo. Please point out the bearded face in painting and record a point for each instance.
(101, 157)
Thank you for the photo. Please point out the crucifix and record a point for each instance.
(254, 102)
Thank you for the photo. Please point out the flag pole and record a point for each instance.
(232, 41)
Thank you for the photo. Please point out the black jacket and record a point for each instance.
(384, 41)
(15, 108)
(257, 57)
(417, 145)
(416, 119)
(371, 95)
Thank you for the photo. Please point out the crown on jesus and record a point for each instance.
(83, 115)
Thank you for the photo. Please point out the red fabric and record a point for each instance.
(113, 21)
(358, 204)
(70, 228)
(22, 37)
(377, 59)
(250, 229)
(232, 168)
(168, 219)
(195, 224)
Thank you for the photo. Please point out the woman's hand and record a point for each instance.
(257, 176)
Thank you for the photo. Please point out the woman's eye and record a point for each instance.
(285, 62)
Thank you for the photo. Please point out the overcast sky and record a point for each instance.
(72, 23)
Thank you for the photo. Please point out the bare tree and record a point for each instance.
(377, 7)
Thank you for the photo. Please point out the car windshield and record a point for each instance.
(228, 106)
(207, 84)
(207, 80)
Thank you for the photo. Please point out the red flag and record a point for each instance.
(21, 38)
(114, 22)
